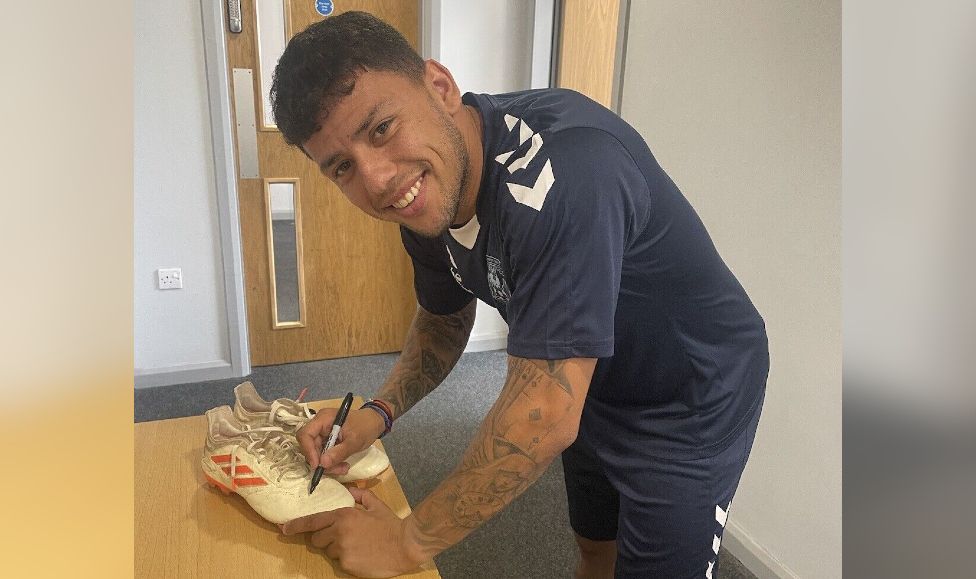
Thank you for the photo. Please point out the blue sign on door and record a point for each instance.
(324, 7)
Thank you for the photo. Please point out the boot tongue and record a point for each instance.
(285, 413)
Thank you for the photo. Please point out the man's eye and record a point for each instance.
(383, 127)
(341, 168)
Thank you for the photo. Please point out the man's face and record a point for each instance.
(394, 152)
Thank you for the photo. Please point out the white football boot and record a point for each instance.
(364, 465)
(264, 465)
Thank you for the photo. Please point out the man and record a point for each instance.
(633, 351)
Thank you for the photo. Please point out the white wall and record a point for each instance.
(909, 89)
(175, 211)
(486, 44)
(740, 102)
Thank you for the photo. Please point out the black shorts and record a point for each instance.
(667, 516)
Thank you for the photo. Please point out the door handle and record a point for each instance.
(234, 16)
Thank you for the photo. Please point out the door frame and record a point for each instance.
(225, 171)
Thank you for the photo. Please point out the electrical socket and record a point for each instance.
(171, 278)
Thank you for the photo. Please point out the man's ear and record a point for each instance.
(442, 86)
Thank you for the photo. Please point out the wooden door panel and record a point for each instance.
(358, 279)
(588, 46)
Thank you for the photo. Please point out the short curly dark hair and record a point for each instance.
(320, 66)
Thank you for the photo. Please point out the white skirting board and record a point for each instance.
(486, 342)
(216, 370)
(752, 555)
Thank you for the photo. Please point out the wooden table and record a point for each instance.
(185, 528)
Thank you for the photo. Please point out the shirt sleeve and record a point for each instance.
(437, 290)
(565, 258)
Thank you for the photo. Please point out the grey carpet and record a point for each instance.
(529, 539)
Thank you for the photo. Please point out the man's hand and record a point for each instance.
(361, 428)
(367, 542)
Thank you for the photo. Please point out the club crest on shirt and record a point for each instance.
(496, 280)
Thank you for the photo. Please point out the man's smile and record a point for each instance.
(410, 195)
(411, 202)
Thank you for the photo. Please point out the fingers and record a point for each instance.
(334, 459)
(332, 550)
(308, 523)
(366, 498)
(360, 495)
(357, 433)
(327, 540)
(338, 470)
(313, 435)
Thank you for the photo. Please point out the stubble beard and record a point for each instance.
(452, 194)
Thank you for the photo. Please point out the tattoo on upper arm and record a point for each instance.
(445, 332)
(557, 369)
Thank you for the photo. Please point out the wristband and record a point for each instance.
(380, 408)
(385, 406)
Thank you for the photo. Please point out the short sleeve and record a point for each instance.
(565, 258)
(437, 290)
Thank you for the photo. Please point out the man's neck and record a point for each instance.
(473, 134)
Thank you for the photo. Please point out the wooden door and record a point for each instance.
(348, 274)
(588, 48)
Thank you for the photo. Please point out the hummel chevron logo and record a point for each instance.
(722, 516)
(525, 133)
(535, 196)
(504, 157)
(525, 159)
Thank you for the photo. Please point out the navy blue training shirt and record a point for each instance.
(588, 249)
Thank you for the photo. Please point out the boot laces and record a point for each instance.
(274, 445)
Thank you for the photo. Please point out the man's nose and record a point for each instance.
(378, 173)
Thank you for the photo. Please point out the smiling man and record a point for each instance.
(634, 353)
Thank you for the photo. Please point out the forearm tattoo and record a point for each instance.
(433, 345)
(526, 428)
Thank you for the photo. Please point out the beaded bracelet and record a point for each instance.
(383, 410)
